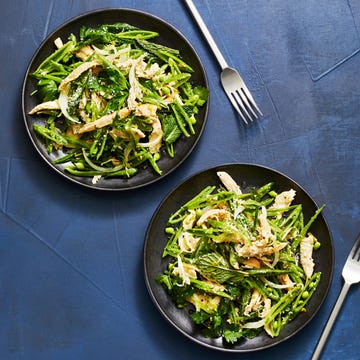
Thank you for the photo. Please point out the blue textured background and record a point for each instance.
(71, 275)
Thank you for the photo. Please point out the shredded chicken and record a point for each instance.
(185, 271)
(306, 249)
(84, 53)
(187, 242)
(252, 263)
(72, 131)
(117, 133)
(123, 113)
(155, 136)
(143, 71)
(146, 110)
(135, 90)
(264, 227)
(97, 124)
(189, 220)
(77, 72)
(228, 182)
(265, 313)
(48, 105)
(210, 303)
(189, 269)
(82, 105)
(217, 214)
(285, 280)
(103, 121)
(284, 199)
(254, 303)
(258, 249)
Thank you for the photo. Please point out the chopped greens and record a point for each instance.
(113, 99)
(242, 262)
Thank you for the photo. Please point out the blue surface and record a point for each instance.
(71, 275)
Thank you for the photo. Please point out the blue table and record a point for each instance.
(71, 272)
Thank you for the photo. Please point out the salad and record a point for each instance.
(113, 100)
(241, 263)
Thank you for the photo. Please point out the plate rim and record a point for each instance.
(79, 180)
(146, 245)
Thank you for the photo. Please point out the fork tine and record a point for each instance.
(236, 106)
(355, 251)
(251, 99)
(239, 99)
(246, 102)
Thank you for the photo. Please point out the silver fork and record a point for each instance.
(231, 80)
(351, 275)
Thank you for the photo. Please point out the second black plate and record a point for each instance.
(247, 176)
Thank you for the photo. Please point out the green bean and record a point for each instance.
(50, 134)
(171, 248)
(312, 219)
(262, 191)
(201, 285)
(73, 170)
(180, 120)
(55, 57)
(69, 156)
(285, 301)
(309, 289)
(197, 201)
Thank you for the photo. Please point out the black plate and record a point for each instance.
(168, 36)
(246, 176)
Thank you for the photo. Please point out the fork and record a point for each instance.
(351, 275)
(232, 82)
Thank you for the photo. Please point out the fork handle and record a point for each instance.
(330, 322)
(206, 34)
